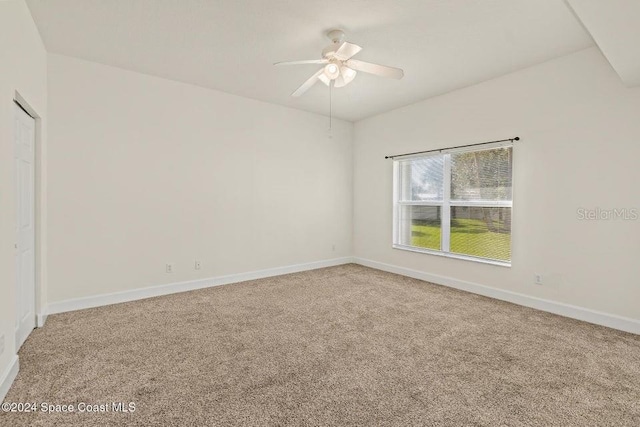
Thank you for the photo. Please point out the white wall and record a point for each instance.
(144, 171)
(580, 130)
(23, 69)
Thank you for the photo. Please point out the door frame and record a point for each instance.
(39, 210)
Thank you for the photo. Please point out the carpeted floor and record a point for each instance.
(338, 346)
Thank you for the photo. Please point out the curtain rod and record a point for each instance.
(517, 138)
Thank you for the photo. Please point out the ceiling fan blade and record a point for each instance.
(378, 70)
(324, 79)
(346, 51)
(307, 85)
(308, 61)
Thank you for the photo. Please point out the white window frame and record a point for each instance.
(445, 206)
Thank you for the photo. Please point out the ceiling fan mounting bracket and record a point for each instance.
(336, 36)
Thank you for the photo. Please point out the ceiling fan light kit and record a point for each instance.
(332, 71)
(339, 69)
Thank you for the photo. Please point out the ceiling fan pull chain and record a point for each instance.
(330, 110)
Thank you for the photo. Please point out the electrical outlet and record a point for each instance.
(1, 344)
(197, 265)
(170, 268)
(333, 248)
(538, 279)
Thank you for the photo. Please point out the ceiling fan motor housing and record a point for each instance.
(330, 50)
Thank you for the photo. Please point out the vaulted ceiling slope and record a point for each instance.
(615, 26)
(230, 45)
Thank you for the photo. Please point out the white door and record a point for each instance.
(25, 227)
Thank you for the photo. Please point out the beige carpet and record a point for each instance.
(339, 346)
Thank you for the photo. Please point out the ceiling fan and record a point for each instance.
(339, 67)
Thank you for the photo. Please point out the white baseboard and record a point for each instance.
(172, 288)
(599, 318)
(41, 319)
(562, 309)
(8, 376)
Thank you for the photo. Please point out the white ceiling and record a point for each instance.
(230, 45)
(615, 26)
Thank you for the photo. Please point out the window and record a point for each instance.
(456, 203)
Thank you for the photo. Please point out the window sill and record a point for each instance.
(453, 255)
